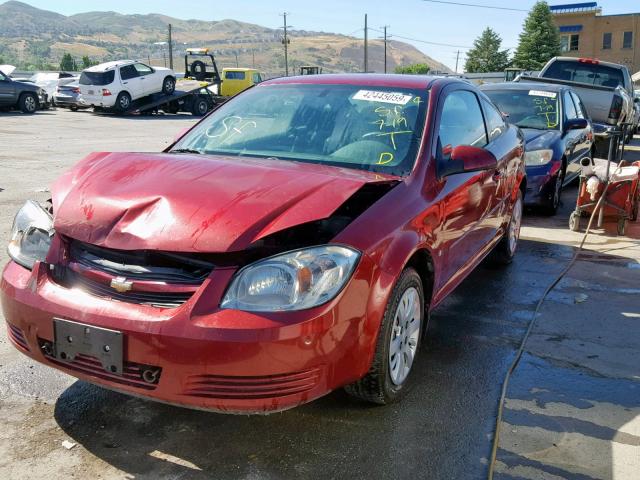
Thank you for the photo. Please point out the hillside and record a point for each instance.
(36, 39)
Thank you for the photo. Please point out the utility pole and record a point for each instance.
(285, 41)
(366, 59)
(457, 57)
(253, 58)
(170, 49)
(385, 47)
(237, 64)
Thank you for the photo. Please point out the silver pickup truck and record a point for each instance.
(605, 88)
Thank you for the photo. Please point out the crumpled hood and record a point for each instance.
(194, 203)
(539, 139)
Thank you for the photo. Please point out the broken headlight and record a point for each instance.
(292, 281)
(30, 235)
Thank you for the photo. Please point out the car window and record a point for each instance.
(461, 122)
(496, 125)
(364, 127)
(256, 78)
(142, 69)
(527, 108)
(127, 72)
(234, 75)
(580, 110)
(569, 108)
(97, 78)
(583, 72)
(2, 77)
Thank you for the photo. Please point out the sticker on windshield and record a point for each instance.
(540, 93)
(384, 97)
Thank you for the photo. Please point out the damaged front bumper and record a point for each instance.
(199, 355)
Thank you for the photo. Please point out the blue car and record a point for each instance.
(558, 134)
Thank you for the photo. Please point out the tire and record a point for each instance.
(73, 108)
(200, 107)
(622, 226)
(28, 103)
(574, 221)
(123, 102)
(198, 70)
(168, 85)
(389, 377)
(556, 195)
(506, 249)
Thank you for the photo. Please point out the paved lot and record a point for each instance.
(561, 394)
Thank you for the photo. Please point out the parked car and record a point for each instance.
(291, 243)
(605, 88)
(24, 96)
(68, 96)
(118, 84)
(558, 135)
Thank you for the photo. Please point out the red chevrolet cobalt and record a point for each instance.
(291, 243)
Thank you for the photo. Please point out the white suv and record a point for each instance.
(118, 84)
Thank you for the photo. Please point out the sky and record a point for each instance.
(454, 25)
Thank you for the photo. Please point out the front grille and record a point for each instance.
(92, 268)
(17, 336)
(132, 374)
(245, 387)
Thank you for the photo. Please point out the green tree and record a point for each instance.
(414, 69)
(486, 56)
(539, 40)
(68, 63)
(87, 62)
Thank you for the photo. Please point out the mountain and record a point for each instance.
(36, 39)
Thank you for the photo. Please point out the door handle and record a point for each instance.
(124, 83)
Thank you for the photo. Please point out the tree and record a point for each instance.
(87, 62)
(539, 40)
(486, 56)
(68, 63)
(415, 69)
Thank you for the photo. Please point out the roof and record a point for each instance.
(365, 79)
(545, 87)
(238, 69)
(108, 65)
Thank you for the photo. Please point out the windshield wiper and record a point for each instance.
(185, 150)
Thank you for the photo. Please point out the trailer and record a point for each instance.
(189, 96)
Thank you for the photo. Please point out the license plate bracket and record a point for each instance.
(73, 338)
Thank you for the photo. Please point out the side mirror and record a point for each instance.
(576, 124)
(465, 158)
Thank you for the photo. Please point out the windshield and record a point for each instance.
(362, 127)
(97, 78)
(528, 108)
(589, 73)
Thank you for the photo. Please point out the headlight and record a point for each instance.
(538, 157)
(30, 235)
(292, 281)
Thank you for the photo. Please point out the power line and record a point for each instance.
(424, 41)
(475, 5)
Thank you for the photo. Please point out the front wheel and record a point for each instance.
(200, 107)
(556, 194)
(397, 345)
(168, 85)
(506, 249)
(28, 103)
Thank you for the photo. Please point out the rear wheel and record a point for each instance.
(74, 108)
(123, 102)
(168, 86)
(506, 249)
(398, 343)
(28, 103)
(200, 107)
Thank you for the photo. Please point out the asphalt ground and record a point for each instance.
(442, 429)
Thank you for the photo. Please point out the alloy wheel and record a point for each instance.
(514, 225)
(404, 336)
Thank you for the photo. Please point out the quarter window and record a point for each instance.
(256, 78)
(569, 108)
(495, 123)
(606, 41)
(461, 122)
(627, 39)
(142, 69)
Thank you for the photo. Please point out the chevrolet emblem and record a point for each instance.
(121, 284)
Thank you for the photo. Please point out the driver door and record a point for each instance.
(467, 199)
(149, 83)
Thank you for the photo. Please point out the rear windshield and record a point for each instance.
(97, 78)
(591, 74)
(361, 127)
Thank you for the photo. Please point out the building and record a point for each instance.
(585, 32)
